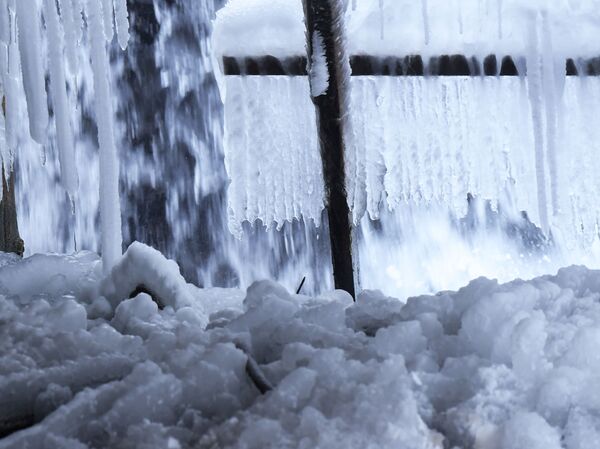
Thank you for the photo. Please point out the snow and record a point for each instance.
(492, 366)
(144, 266)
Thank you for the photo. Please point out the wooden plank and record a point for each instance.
(412, 65)
(320, 17)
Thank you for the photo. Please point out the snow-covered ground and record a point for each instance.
(491, 366)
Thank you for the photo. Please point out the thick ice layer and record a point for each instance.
(271, 153)
(418, 141)
(490, 366)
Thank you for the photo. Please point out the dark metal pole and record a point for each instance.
(324, 28)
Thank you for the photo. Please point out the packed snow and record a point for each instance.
(490, 366)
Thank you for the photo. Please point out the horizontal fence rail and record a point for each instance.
(413, 65)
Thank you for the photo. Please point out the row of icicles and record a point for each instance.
(23, 65)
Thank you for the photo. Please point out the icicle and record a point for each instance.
(460, 16)
(425, 13)
(60, 102)
(30, 47)
(107, 19)
(535, 89)
(68, 20)
(554, 81)
(499, 6)
(110, 213)
(4, 24)
(11, 83)
(381, 20)
(122, 22)
(77, 13)
(353, 5)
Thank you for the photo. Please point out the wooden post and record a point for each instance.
(323, 28)
(10, 240)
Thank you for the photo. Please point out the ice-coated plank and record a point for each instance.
(60, 100)
(32, 67)
(110, 208)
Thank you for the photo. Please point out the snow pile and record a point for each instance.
(146, 268)
(490, 366)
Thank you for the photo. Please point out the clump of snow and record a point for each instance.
(319, 74)
(489, 366)
(144, 267)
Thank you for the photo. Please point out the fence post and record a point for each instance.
(324, 29)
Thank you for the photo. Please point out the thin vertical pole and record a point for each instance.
(324, 29)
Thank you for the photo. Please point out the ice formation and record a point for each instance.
(490, 366)
(23, 37)
(436, 140)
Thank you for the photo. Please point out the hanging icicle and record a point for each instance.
(107, 19)
(122, 22)
(60, 101)
(110, 211)
(30, 48)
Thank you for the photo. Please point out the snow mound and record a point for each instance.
(490, 366)
(145, 269)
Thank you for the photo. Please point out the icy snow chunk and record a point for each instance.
(528, 343)
(582, 430)
(69, 316)
(50, 399)
(529, 430)
(139, 309)
(405, 338)
(296, 387)
(142, 266)
(51, 274)
(581, 353)
(372, 311)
